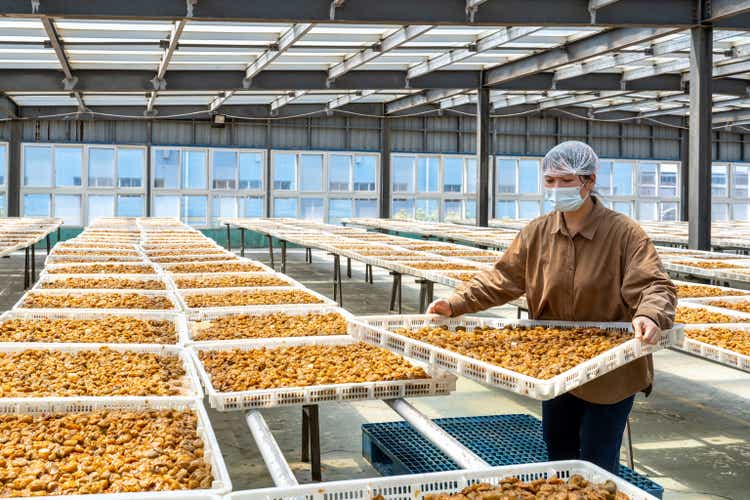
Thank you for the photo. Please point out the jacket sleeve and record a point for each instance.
(646, 287)
(494, 287)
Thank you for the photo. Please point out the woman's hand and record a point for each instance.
(441, 307)
(646, 330)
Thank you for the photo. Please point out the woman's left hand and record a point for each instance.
(646, 330)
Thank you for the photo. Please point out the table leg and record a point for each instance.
(270, 248)
(348, 267)
(49, 245)
(395, 292)
(26, 269)
(283, 256)
(242, 242)
(33, 266)
(313, 423)
(229, 238)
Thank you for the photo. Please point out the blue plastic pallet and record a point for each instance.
(396, 448)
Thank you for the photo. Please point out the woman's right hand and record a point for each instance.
(441, 307)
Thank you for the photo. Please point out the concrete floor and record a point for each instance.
(691, 435)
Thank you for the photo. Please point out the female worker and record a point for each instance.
(580, 262)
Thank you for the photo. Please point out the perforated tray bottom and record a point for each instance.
(397, 448)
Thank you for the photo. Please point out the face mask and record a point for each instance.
(564, 199)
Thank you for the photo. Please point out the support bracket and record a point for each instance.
(159, 83)
(70, 83)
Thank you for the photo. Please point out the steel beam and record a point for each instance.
(699, 211)
(595, 45)
(283, 100)
(684, 175)
(400, 12)
(349, 98)
(284, 42)
(14, 168)
(70, 81)
(8, 108)
(384, 199)
(723, 9)
(427, 97)
(483, 156)
(392, 41)
(166, 58)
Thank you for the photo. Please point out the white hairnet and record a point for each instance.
(570, 157)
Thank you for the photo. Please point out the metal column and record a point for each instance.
(699, 203)
(483, 155)
(684, 174)
(14, 169)
(384, 200)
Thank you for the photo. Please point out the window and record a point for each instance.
(166, 168)
(528, 176)
(251, 171)
(130, 166)
(622, 179)
(285, 207)
(224, 169)
(37, 167)
(101, 167)
(311, 173)
(470, 208)
(365, 172)
(402, 208)
(3, 167)
(166, 206)
(668, 180)
(720, 181)
(223, 206)
(195, 210)
(285, 172)
(365, 208)
(311, 209)
(130, 205)
(427, 174)
(604, 177)
(100, 206)
(506, 176)
(647, 179)
(193, 169)
(624, 207)
(426, 210)
(339, 209)
(68, 208)
(719, 212)
(471, 175)
(453, 175)
(741, 181)
(3, 210)
(669, 211)
(403, 174)
(339, 170)
(647, 211)
(452, 209)
(36, 205)
(528, 209)
(740, 212)
(505, 209)
(68, 166)
(252, 206)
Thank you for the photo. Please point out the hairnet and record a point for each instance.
(570, 157)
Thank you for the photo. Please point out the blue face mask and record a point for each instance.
(564, 199)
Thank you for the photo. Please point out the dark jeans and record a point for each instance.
(576, 429)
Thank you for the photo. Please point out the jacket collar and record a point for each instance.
(590, 225)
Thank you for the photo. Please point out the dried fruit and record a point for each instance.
(246, 326)
(251, 298)
(107, 329)
(97, 301)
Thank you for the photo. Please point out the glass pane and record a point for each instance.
(130, 167)
(285, 207)
(3, 164)
(719, 212)
(668, 179)
(604, 178)
(366, 208)
(622, 179)
(547, 207)
(224, 206)
(68, 166)
(130, 205)
(251, 171)
(339, 167)
(528, 209)
(741, 180)
(101, 167)
(719, 181)
(311, 172)
(194, 170)
(311, 208)
(505, 173)
(470, 207)
(101, 206)
(3, 207)
(195, 210)
(452, 209)
(252, 206)
(740, 211)
(36, 205)
(339, 209)
(647, 179)
(471, 175)
(167, 206)
(453, 174)
(647, 211)
(364, 173)
(37, 167)
(284, 172)
(224, 169)
(670, 211)
(166, 170)
(528, 176)
(427, 210)
(427, 175)
(403, 174)
(624, 207)
(402, 208)
(68, 208)
(505, 209)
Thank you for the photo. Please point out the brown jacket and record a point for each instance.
(610, 271)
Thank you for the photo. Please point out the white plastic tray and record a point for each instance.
(262, 267)
(179, 320)
(76, 259)
(715, 353)
(173, 277)
(221, 484)
(695, 304)
(438, 384)
(746, 293)
(185, 292)
(495, 376)
(50, 278)
(193, 257)
(294, 310)
(51, 268)
(191, 384)
(77, 291)
(417, 486)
